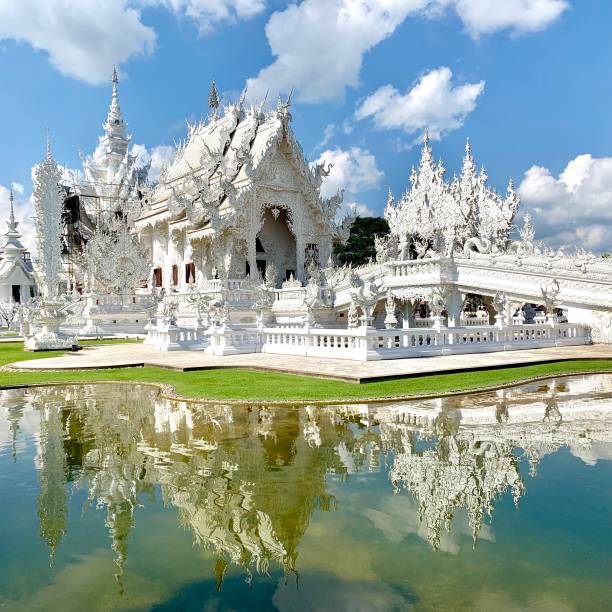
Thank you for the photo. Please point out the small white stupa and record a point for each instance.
(17, 282)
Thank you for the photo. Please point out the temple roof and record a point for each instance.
(223, 153)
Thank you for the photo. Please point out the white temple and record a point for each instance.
(231, 251)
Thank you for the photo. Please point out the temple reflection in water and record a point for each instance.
(246, 480)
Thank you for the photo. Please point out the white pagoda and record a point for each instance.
(17, 282)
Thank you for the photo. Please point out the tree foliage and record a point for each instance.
(359, 248)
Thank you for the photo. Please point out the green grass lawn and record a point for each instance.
(227, 384)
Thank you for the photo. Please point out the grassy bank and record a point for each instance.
(238, 384)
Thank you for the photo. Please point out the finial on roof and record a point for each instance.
(49, 154)
(426, 137)
(242, 97)
(290, 97)
(213, 97)
(468, 146)
(11, 200)
(114, 124)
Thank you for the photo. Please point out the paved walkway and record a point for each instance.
(130, 355)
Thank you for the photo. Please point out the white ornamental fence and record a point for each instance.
(370, 344)
(365, 344)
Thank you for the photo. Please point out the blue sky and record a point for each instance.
(529, 81)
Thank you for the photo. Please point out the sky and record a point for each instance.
(528, 81)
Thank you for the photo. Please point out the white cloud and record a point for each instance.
(576, 207)
(158, 156)
(328, 134)
(206, 13)
(327, 591)
(355, 208)
(17, 188)
(433, 102)
(319, 45)
(354, 170)
(489, 16)
(83, 38)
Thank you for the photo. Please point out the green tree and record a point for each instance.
(359, 248)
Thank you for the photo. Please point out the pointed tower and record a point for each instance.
(213, 100)
(48, 205)
(467, 193)
(110, 177)
(427, 166)
(12, 248)
(112, 150)
(17, 282)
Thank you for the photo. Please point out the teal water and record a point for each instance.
(114, 498)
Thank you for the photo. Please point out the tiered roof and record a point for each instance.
(13, 251)
(215, 166)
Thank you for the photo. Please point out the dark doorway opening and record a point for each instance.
(16, 293)
(261, 267)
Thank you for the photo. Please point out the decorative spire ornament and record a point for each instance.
(115, 125)
(12, 247)
(11, 223)
(48, 204)
(213, 98)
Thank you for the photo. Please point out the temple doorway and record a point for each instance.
(275, 244)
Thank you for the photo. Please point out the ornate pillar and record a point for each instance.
(408, 309)
(252, 251)
(299, 257)
(167, 261)
(390, 318)
(300, 245)
(454, 307)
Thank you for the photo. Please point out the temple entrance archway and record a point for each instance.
(275, 244)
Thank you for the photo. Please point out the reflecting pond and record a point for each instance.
(113, 497)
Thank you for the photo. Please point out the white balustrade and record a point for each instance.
(414, 266)
(363, 344)
(367, 344)
(474, 321)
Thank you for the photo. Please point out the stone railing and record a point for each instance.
(111, 303)
(293, 294)
(166, 337)
(364, 344)
(474, 321)
(465, 322)
(414, 266)
(230, 341)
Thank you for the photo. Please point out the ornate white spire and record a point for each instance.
(213, 98)
(48, 214)
(11, 222)
(12, 247)
(115, 125)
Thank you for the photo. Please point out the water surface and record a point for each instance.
(114, 498)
